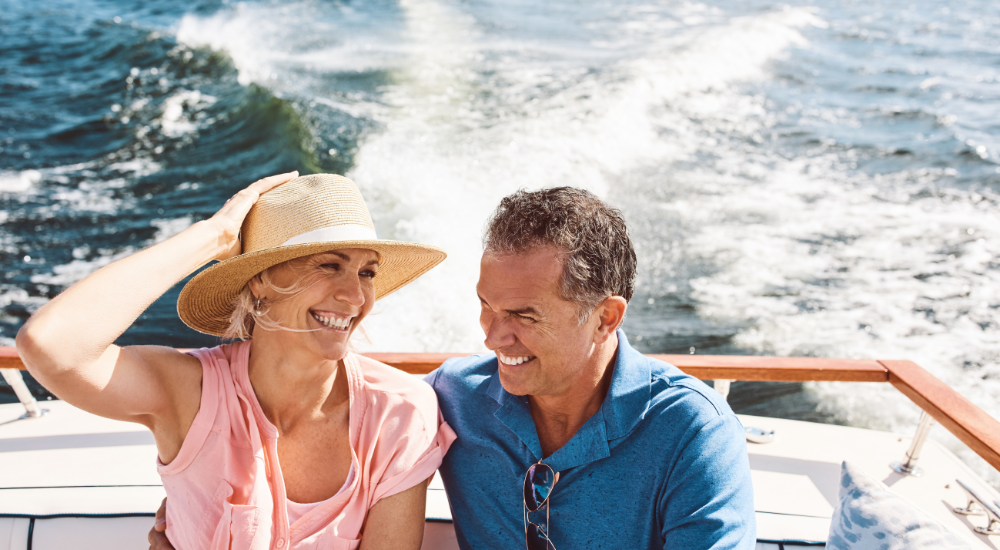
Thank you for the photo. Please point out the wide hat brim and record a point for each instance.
(206, 303)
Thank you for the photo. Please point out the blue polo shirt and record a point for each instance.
(662, 464)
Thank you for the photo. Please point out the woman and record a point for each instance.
(284, 440)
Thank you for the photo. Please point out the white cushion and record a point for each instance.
(869, 516)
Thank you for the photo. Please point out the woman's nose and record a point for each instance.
(351, 292)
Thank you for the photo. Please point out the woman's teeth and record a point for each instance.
(514, 360)
(334, 322)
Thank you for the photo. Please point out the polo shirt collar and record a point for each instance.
(630, 392)
(623, 408)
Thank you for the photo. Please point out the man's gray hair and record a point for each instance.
(597, 254)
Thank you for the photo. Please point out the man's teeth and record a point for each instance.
(334, 322)
(514, 360)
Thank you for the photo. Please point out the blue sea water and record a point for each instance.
(814, 179)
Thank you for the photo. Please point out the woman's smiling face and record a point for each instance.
(334, 292)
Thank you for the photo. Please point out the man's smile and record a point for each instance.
(514, 360)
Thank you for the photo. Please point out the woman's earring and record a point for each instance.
(258, 311)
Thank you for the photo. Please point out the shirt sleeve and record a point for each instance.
(709, 500)
(412, 441)
(432, 378)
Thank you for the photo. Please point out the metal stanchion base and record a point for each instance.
(906, 469)
(25, 416)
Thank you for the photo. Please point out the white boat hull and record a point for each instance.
(73, 480)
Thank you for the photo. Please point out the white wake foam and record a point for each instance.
(448, 154)
(653, 108)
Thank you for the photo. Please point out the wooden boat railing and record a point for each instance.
(970, 424)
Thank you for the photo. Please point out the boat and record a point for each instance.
(72, 479)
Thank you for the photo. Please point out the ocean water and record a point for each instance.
(818, 179)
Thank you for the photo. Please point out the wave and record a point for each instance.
(158, 131)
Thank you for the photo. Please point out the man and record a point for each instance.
(647, 457)
(643, 455)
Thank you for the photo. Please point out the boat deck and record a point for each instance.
(72, 472)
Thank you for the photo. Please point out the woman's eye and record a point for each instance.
(335, 267)
(368, 273)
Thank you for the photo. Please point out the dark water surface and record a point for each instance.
(817, 180)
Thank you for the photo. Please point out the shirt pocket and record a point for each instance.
(239, 525)
(243, 524)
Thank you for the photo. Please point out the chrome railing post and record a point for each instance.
(909, 467)
(14, 379)
(754, 435)
(722, 386)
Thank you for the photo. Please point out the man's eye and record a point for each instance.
(335, 267)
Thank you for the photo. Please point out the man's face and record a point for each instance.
(536, 334)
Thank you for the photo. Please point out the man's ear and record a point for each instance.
(610, 314)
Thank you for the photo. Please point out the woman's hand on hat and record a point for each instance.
(230, 217)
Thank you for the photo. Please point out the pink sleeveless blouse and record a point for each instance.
(225, 488)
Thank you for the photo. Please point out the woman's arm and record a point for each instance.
(68, 344)
(397, 522)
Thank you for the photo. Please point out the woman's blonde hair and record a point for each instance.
(250, 312)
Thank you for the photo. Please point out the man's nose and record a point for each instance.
(499, 333)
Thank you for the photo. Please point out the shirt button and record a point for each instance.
(281, 543)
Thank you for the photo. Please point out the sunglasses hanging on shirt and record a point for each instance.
(539, 481)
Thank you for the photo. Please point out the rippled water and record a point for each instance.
(800, 180)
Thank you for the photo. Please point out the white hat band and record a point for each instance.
(346, 232)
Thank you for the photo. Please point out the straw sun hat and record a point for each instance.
(304, 216)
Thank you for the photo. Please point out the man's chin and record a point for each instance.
(514, 382)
